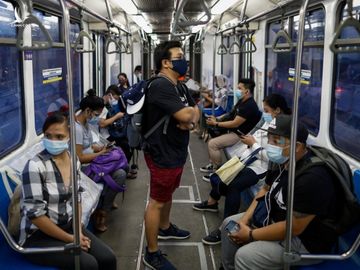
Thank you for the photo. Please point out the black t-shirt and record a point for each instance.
(162, 98)
(248, 110)
(314, 194)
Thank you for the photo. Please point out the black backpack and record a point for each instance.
(348, 214)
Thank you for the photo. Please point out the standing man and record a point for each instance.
(166, 152)
(137, 74)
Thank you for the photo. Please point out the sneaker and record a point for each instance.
(207, 169)
(214, 238)
(173, 232)
(157, 261)
(204, 206)
(206, 178)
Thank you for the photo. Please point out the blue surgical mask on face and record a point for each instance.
(113, 102)
(267, 117)
(238, 94)
(180, 66)
(55, 147)
(274, 154)
(94, 120)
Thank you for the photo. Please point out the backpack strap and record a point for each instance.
(166, 119)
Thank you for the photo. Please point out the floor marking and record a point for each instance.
(199, 245)
(203, 215)
(139, 258)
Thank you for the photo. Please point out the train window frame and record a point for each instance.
(339, 12)
(307, 44)
(11, 42)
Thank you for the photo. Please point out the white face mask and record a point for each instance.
(113, 102)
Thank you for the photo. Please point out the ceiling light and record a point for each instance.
(129, 7)
(222, 5)
(142, 23)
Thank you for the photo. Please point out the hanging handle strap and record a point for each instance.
(79, 47)
(284, 47)
(234, 48)
(248, 46)
(339, 45)
(109, 41)
(36, 45)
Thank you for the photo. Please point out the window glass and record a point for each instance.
(49, 83)
(115, 69)
(51, 24)
(12, 124)
(314, 26)
(346, 99)
(275, 27)
(228, 61)
(74, 31)
(8, 21)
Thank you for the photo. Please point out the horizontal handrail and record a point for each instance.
(36, 45)
(282, 34)
(84, 34)
(344, 256)
(9, 239)
(336, 46)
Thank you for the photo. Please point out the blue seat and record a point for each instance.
(10, 259)
(345, 242)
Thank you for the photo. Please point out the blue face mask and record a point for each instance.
(238, 94)
(267, 117)
(113, 102)
(94, 120)
(274, 154)
(55, 147)
(180, 66)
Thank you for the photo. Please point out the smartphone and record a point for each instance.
(232, 227)
(110, 144)
(240, 132)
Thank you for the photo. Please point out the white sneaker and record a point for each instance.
(207, 169)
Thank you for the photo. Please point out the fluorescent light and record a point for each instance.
(142, 23)
(222, 5)
(128, 6)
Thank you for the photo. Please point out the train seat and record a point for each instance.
(10, 176)
(345, 242)
(10, 259)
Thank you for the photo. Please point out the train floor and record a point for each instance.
(126, 233)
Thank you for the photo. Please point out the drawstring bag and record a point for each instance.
(101, 168)
(227, 172)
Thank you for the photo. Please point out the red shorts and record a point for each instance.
(163, 181)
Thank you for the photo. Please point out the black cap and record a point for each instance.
(281, 125)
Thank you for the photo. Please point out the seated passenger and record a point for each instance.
(274, 105)
(243, 117)
(46, 205)
(123, 82)
(91, 108)
(315, 199)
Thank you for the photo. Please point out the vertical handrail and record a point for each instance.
(288, 256)
(73, 176)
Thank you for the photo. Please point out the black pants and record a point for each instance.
(99, 256)
(245, 179)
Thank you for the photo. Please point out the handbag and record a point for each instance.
(230, 169)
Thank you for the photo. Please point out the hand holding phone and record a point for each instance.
(238, 131)
(110, 144)
(232, 227)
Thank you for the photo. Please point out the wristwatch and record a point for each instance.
(251, 238)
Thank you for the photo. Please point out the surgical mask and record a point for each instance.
(180, 66)
(238, 94)
(94, 120)
(55, 147)
(113, 102)
(267, 117)
(274, 154)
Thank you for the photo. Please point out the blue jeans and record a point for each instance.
(245, 179)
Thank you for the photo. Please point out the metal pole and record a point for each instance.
(109, 11)
(132, 59)
(96, 15)
(73, 167)
(290, 194)
(213, 78)
(243, 10)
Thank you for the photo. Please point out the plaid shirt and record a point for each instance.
(44, 193)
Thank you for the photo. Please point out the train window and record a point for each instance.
(228, 61)
(345, 119)
(12, 125)
(314, 26)
(51, 23)
(281, 70)
(8, 21)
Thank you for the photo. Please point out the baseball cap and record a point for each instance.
(135, 97)
(281, 126)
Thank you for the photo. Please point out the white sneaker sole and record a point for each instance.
(206, 170)
(206, 210)
(172, 237)
(211, 243)
(147, 264)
